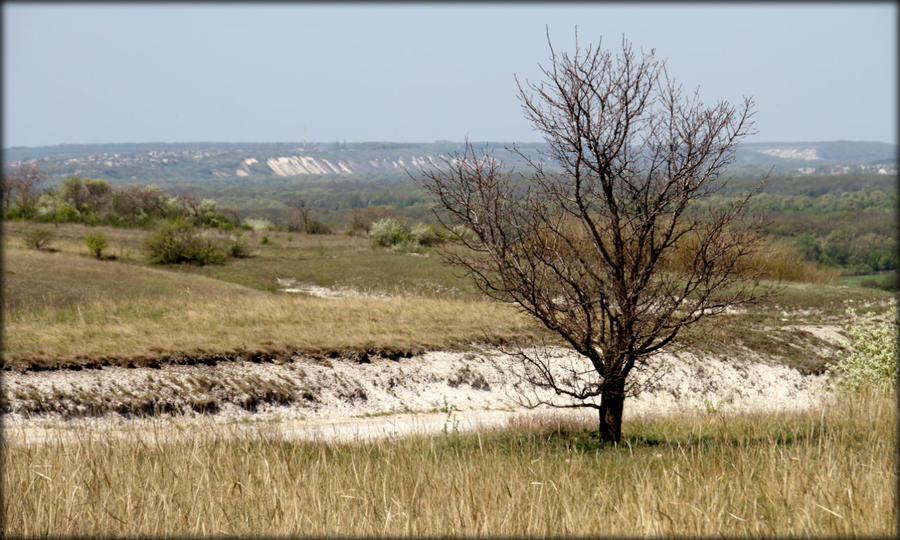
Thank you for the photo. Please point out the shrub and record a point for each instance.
(264, 240)
(873, 360)
(361, 219)
(237, 248)
(423, 235)
(462, 233)
(38, 237)
(179, 242)
(260, 224)
(890, 282)
(96, 243)
(316, 227)
(389, 232)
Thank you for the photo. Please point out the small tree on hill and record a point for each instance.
(96, 243)
(600, 248)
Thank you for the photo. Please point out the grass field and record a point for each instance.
(822, 473)
(64, 307)
(827, 472)
(328, 260)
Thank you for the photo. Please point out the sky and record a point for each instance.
(281, 72)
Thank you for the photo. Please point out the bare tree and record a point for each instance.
(597, 241)
(23, 181)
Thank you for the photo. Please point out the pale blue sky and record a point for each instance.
(96, 73)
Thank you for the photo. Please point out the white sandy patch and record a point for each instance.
(806, 154)
(330, 166)
(424, 394)
(290, 285)
(312, 165)
(294, 165)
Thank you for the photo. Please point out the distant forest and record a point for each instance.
(845, 221)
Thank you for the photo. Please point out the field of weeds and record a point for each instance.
(826, 472)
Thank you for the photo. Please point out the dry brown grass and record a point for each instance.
(779, 261)
(61, 309)
(822, 473)
(771, 259)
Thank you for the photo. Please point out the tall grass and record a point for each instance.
(828, 472)
(771, 259)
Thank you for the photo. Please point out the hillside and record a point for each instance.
(144, 162)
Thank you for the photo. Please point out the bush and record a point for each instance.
(237, 248)
(96, 243)
(264, 240)
(179, 242)
(38, 237)
(873, 360)
(255, 224)
(389, 232)
(423, 235)
(462, 233)
(890, 282)
(316, 227)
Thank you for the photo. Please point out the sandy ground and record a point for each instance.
(429, 393)
(290, 285)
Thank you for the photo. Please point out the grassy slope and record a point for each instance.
(62, 307)
(331, 260)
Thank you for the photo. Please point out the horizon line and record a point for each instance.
(438, 141)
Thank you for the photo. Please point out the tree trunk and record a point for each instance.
(612, 402)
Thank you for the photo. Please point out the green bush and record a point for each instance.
(38, 237)
(180, 242)
(423, 235)
(237, 248)
(316, 227)
(389, 232)
(462, 233)
(873, 360)
(96, 243)
(264, 240)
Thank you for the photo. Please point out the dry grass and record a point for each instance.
(60, 309)
(830, 472)
(778, 260)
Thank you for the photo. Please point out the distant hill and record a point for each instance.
(148, 162)
(828, 157)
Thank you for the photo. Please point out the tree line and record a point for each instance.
(96, 202)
